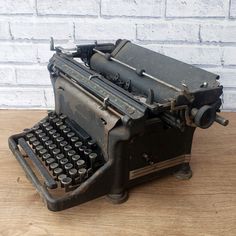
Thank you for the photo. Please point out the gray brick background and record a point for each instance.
(199, 32)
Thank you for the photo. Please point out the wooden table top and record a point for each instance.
(203, 205)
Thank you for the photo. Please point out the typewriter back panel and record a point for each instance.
(83, 109)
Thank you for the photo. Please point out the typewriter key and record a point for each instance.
(56, 151)
(48, 143)
(55, 120)
(52, 131)
(63, 144)
(59, 157)
(35, 144)
(33, 139)
(63, 116)
(71, 153)
(59, 123)
(53, 166)
(62, 127)
(57, 171)
(63, 161)
(42, 152)
(86, 154)
(70, 134)
(46, 124)
(36, 127)
(80, 163)
(82, 148)
(52, 116)
(66, 130)
(92, 143)
(67, 148)
(48, 128)
(46, 156)
(41, 135)
(66, 182)
(38, 148)
(29, 136)
(61, 177)
(49, 161)
(78, 145)
(38, 131)
(74, 139)
(92, 158)
(73, 174)
(55, 136)
(68, 166)
(82, 174)
(59, 139)
(74, 159)
(41, 122)
(51, 147)
(45, 138)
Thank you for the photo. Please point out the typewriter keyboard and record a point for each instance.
(68, 156)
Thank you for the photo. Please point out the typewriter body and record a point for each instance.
(124, 116)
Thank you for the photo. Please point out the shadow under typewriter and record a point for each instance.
(67, 159)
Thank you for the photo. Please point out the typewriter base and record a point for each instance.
(184, 172)
(118, 198)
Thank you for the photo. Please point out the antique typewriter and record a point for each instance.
(123, 115)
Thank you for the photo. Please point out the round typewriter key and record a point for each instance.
(61, 176)
(71, 153)
(52, 131)
(56, 151)
(68, 166)
(75, 158)
(36, 143)
(33, 139)
(64, 161)
(63, 116)
(48, 143)
(63, 144)
(62, 127)
(36, 127)
(66, 182)
(78, 145)
(92, 158)
(70, 134)
(49, 161)
(46, 124)
(55, 136)
(59, 139)
(29, 136)
(45, 138)
(81, 149)
(55, 120)
(53, 166)
(42, 121)
(92, 143)
(38, 148)
(82, 173)
(42, 152)
(38, 131)
(52, 116)
(67, 148)
(41, 135)
(59, 157)
(74, 139)
(48, 128)
(46, 156)
(80, 163)
(73, 173)
(59, 123)
(52, 146)
(57, 171)
(66, 130)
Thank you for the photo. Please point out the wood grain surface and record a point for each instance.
(204, 205)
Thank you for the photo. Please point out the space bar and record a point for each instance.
(49, 181)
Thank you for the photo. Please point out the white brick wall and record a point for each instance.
(199, 32)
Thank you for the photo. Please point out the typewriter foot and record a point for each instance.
(184, 172)
(118, 198)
